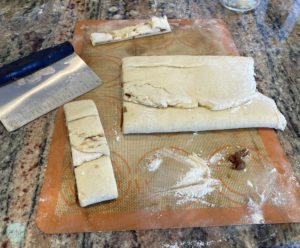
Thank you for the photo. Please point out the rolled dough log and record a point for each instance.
(215, 82)
(260, 112)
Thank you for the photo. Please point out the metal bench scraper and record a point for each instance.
(41, 82)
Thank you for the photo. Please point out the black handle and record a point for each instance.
(34, 62)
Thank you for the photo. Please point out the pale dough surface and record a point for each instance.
(90, 144)
(154, 26)
(86, 132)
(96, 181)
(80, 157)
(87, 135)
(79, 109)
(86, 126)
(94, 174)
(214, 82)
(260, 112)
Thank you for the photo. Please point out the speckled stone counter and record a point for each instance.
(270, 34)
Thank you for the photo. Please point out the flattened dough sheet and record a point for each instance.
(260, 112)
(215, 82)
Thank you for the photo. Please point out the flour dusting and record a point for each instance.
(258, 199)
(154, 165)
(196, 183)
(218, 158)
(37, 76)
(249, 183)
(195, 134)
(235, 109)
(117, 135)
(192, 184)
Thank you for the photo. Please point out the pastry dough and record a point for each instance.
(94, 174)
(156, 25)
(78, 109)
(90, 144)
(79, 157)
(215, 82)
(260, 112)
(95, 181)
(87, 135)
(193, 93)
(82, 127)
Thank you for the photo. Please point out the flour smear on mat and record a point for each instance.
(193, 184)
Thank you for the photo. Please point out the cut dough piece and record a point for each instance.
(80, 157)
(87, 135)
(260, 112)
(90, 144)
(95, 181)
(79, 109)
(94, 174)
(156, 25)
(214, 82)
(86, 127)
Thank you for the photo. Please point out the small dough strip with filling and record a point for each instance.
(94, 174)
(155, 26)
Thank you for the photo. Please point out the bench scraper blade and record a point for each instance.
(63, 77)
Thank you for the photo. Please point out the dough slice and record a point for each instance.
(87, 135)
(80, 157)
(214, 82)
(90, 144)
(78, 109)
(86, 127)
(260, 112)
(95, 181)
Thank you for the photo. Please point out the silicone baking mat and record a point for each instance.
(146, 166)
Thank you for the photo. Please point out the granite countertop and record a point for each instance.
(270, 34)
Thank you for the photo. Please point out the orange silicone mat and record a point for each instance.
(265, 192)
